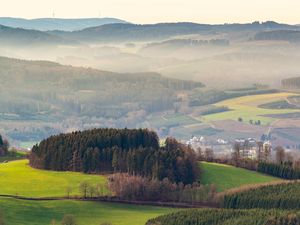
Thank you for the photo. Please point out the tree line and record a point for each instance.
(282, 164)
(133, 151)
(130, 187)
(227, 216)
(293, 83)
(3, 146)
(284, 196)
(279, 170)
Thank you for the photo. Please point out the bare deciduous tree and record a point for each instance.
(280, 154)
(68, 191)
(83, 188)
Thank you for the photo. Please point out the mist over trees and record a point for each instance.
(54, 98)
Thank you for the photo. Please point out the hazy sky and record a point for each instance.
(152, 11)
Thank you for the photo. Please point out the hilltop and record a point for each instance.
(45, 24)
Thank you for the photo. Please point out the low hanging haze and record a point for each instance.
(154, 11)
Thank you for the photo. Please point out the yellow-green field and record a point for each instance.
(226, 177)
(18, 178)
(247, 108)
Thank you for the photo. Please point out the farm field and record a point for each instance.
(171, 120)
(22, 180)
(26, 212)
(226, 177)
(247, 108)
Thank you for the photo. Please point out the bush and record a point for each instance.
(68, 220)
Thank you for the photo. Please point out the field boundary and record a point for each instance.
(117, 200)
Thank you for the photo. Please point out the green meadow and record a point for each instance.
(247, 108)
(18, 178)
(226, 177)
(24, 212)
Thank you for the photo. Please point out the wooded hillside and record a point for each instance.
(232, 217)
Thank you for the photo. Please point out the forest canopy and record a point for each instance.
(133, 151)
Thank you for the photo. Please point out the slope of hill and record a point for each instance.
(46, 93)
(248, 108)
(136, 32)
(282, 195)
(27, 212)
(22, 180)
(226, 177)
(18, 37)
(224, 217)
(45, 24)
(279, 35)
(112, 30)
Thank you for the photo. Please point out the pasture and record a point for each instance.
(18, 178)
(27, 212)
(247, 108)
(226, 177)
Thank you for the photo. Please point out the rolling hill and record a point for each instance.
(46, 24)
(145, 32)
(52, 97)
(292, 36)
(224, 217)
(249, 108)
(76, 31)
(22, 180)
(226, 177)
(18, 37)
(27, 212)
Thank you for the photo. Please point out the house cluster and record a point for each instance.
(248, 146)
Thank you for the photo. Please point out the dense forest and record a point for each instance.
(3, 146)
(41, 87)
(227, 217)
(279, 170)
(284, 196)
(293, 83)
(133, 151)
(292, 36)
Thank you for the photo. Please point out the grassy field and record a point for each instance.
(247, 108)
(18, 178)
(171, 120)
(21, 212)
(226, 177)
(13, 156)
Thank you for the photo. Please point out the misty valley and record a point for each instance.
(108, 122)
